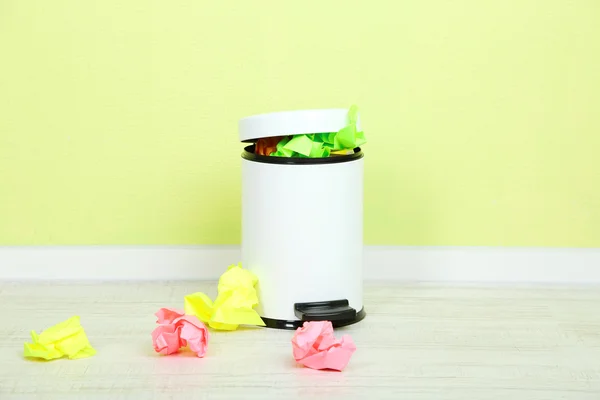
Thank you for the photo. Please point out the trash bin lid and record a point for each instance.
(297, 122)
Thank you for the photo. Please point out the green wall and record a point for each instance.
(118, 119)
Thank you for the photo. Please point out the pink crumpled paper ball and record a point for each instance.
(177, 330)
(315, 347)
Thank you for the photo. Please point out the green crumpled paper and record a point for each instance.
(233, 305)
(66, 338)
(317, 145)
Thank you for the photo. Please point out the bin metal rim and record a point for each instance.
(248, 154)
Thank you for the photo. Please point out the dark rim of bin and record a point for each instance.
(248, 154)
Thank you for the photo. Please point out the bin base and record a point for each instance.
(295, 324)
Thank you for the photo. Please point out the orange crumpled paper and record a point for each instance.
(177, 330)
(268, 145)
(315, 346)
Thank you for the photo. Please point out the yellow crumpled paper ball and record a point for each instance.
(233, 305)
(66, 338)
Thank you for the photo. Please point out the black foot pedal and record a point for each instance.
(334, 310)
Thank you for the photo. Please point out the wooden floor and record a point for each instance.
(417, 342)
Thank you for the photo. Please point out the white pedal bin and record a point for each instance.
(302, 223)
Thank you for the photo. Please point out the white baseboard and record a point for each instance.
(382, 263)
